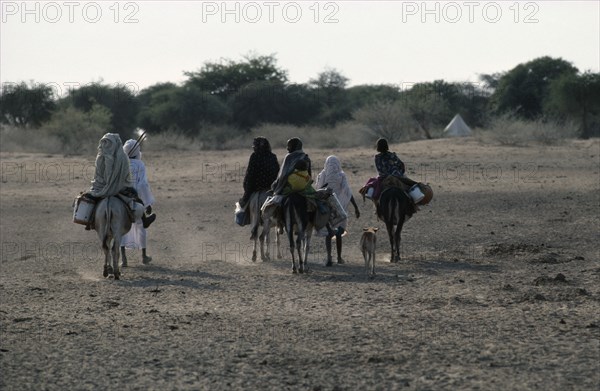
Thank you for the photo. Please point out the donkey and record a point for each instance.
(394, 209)
(257, 219)
(297, 220)
(111, 223)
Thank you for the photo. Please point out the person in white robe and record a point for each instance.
(136, 237)
(334, 178)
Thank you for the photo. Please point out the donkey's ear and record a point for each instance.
(365, 229)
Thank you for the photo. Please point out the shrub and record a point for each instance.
(28, 140)
(510, 130)
(390, 120)
(78, 131)
(343, 135)
(69, 131)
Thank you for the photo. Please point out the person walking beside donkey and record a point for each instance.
(332, 177)
(136, 237)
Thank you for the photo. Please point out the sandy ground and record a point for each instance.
(498, 287)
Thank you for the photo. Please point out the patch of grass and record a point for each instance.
(510, 131)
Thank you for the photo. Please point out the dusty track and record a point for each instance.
(478, 301)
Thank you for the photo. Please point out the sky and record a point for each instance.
(66, 44)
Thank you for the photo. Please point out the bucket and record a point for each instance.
(83, 209)
(416, 194)
(242, 217)
(370, 192)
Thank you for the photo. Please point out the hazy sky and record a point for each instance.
(70, 43)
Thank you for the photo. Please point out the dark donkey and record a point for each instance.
(394, 209)
(297, 220)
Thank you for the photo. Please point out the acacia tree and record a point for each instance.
(576, 95)
(429, 104)
(270, 101)
(524, 89)
(388, 119)
(227, 77)
(25, 105)
(118, 99)
(196, 108)
(362, 95)
(166, 106)
(330, 87)
(158, 107)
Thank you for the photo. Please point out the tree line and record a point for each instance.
(255, 90)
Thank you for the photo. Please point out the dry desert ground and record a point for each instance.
(498, 287)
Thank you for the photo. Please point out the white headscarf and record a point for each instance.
(112, 167)
(132, 149)
(334, 178)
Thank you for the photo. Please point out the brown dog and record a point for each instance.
(368, 242)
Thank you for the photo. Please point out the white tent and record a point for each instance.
(457, 128)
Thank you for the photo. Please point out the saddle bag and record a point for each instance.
(337, 213)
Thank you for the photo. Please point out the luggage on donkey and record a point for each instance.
(242, 217)
(419, 192)
(84, 207)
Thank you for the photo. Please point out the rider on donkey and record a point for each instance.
(290, 161)
(262, 170)
(390, 169)
(112, 175)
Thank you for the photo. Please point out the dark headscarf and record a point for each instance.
(294, 147)
(382, 145)
(294, 144)
(261, 145)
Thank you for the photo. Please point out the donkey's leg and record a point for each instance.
(265, 254)
(107, 268)
(390, 229)
(291, 239)
(265, 244)
(398, 238)
(254, 237)
(307, 238)
(115, 257)
(299, 245)
(278, 242)
(254, 248)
